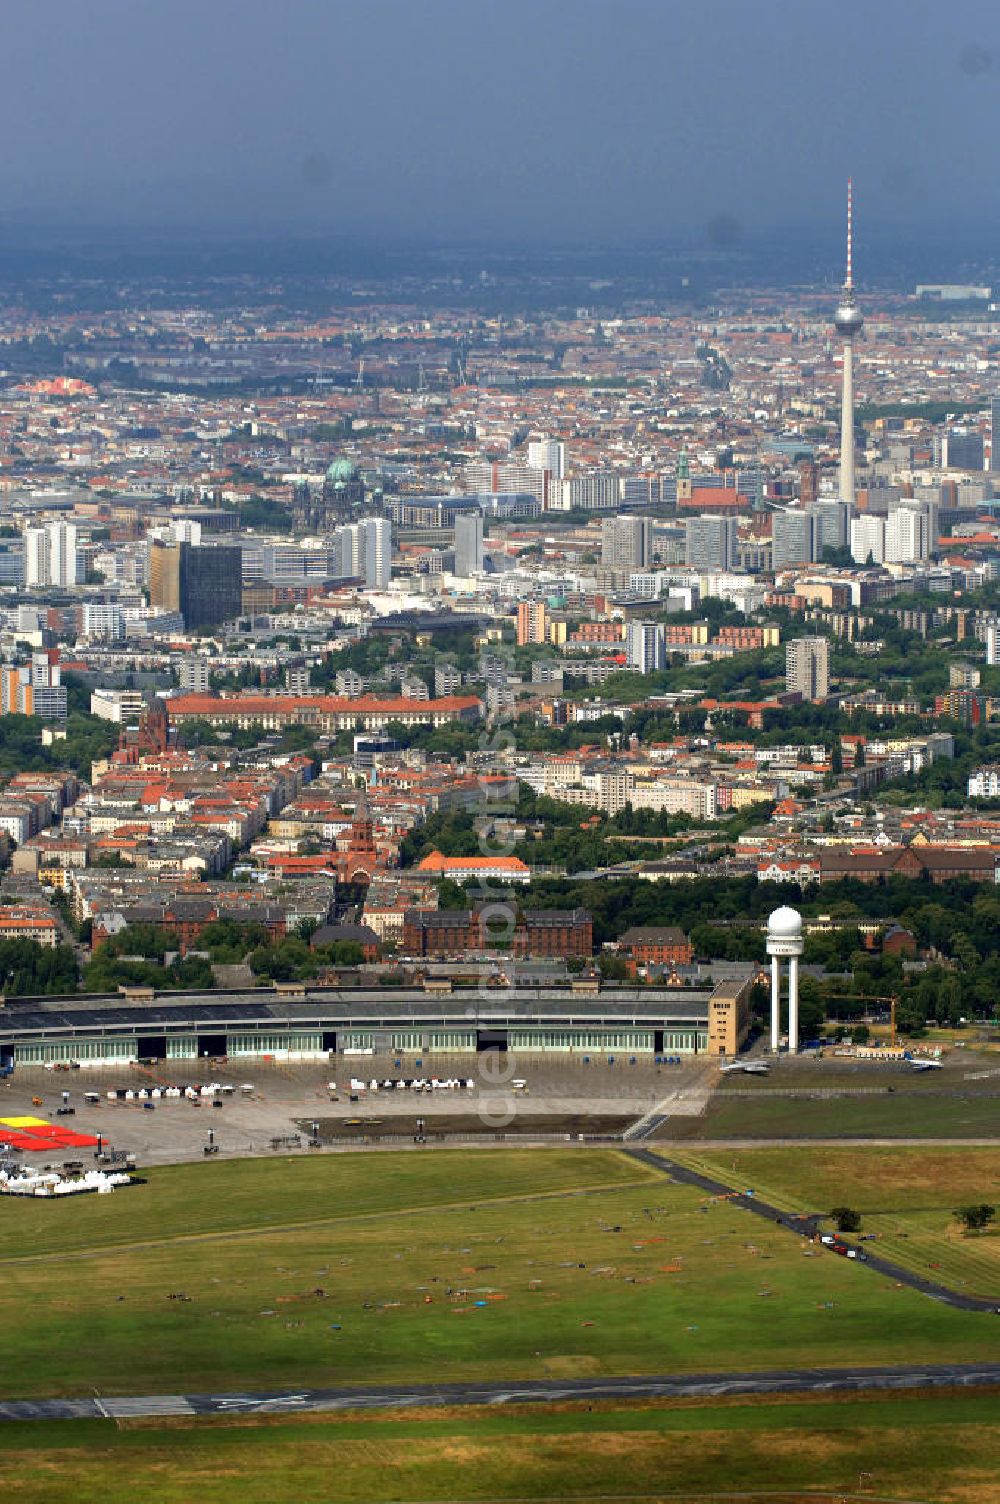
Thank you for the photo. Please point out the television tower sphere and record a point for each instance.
(784, 924)
(848, 320)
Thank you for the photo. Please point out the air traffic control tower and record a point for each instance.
(784, 939)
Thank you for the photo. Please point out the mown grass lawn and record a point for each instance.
(905, 1114)
(907, 1196)
(433, 1268)
(944, 1448)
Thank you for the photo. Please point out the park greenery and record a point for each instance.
(149, 955)
(977, 1216)
(292, 959)
(88, 739)
(263, 513)
(28, 969)
(957, 922)
(144, 955)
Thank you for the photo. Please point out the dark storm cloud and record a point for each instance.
(553, 119)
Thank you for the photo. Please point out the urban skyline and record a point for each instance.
(491, 577)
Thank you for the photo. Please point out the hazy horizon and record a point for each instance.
(546, 122)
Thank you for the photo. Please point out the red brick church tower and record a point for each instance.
(358, 860)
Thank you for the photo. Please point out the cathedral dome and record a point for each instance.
(341, 472)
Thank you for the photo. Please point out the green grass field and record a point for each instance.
(907, 1197)
(904, 1114)
(945, 1449)
(445, 1266)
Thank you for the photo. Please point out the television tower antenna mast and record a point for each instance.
(848, 322)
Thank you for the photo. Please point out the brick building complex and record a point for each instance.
(872, 864)
(537, 932)
(655, 945)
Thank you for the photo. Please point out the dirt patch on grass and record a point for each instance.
(572, 1366)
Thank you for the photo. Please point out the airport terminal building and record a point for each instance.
(296, 1022)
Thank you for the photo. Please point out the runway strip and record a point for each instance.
(535, 1392)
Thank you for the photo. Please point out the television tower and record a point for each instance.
(848, 322)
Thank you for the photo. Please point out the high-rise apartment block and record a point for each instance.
(907, 536)
(710, 543)
(807, 667)
(33, 689)
(194, 674)
(366, 551)
(993, 644)
(793, 539)
(626, 543)
(102, 622)
(548, 454)
(832, 523)
(600, 491)
(378, 552)
(532, 623)
(50, 555)
(868, 539)
(468, 544)
(646, 647)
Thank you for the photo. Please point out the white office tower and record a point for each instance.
(807, 667)
(907, 536)
(793, 539)
(378, 552)
(351, 539)
(868, 540)
(626, 543)
(468, 544)
(102, 622)
(646, 650)
(50, 555)
(36, 556)
(548, 454)
(832, 521)
(848, 323)
(64, 567)
(186, 530)
(993, 644)
(710, 543)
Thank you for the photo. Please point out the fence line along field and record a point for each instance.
(398, 1267)
(907, 1197)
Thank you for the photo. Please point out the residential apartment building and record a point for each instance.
(532, 623)
(626, 543)
(646, 648)
(807, 667)
(710, 543)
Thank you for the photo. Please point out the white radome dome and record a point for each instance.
(785, 923)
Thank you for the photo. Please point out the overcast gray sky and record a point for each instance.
(555, 119)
